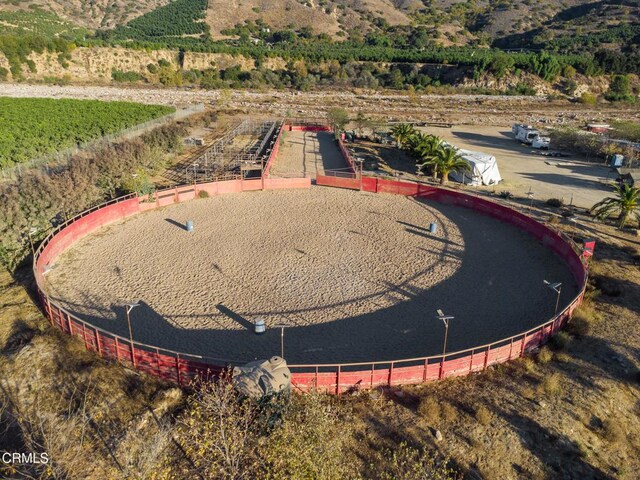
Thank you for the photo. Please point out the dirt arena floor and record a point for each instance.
(306, 154)
(356, 276)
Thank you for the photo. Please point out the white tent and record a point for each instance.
(484, 169)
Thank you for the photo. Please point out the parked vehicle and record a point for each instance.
(541, 142)
(525, 133)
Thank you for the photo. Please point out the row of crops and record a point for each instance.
(33, 127)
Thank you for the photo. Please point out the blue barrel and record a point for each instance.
(433, 227)
(189, 225)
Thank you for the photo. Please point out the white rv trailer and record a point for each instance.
(526, 134)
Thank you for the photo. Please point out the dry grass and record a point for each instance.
(612, 431)
(528, 364)
(449, 412)
(552, 385)
(584, 319)
(545, 355)
(429, 409)
(483, 415)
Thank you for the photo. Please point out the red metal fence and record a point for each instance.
(182, 368)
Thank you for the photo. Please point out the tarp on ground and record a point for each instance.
(484, 169)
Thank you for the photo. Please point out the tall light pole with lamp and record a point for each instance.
(556, 287)
(130, 307)
(445, 319)
(281, 326)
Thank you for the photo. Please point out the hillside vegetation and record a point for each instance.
(371, 44)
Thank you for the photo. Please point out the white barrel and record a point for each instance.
(259, 326)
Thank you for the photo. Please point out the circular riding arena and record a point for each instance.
(355, 276)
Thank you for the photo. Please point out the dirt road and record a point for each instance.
(523, 169)
(305, 154)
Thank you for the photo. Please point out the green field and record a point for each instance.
(32, 127)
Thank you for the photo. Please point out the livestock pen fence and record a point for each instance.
(182, 368)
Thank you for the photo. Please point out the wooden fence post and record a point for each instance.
(95, 331)
(178, 369)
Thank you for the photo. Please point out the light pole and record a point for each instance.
(281, 326)
(32, 231)
(530, 195)
(445, 319)
(556, 287)
(130, 307)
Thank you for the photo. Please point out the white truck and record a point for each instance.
(541, 142)
(525, 133)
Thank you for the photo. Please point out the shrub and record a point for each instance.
(120, 76)
(408, 463)
(568, 71)
(560, 340)
(583, 319)
(483, 415)
(544, 355)
(552, 385)
(612, 431)
(505, 194)
(429, 409)
(555, 202)
(203, 194)
(619, 90)
(529, 365)
(588, 99)
(449, 412)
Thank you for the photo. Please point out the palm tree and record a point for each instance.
(443, 161)
(625, 202)
(402, 132)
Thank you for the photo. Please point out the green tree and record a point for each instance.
(402, 132)
(362, 122)
(619, 89)
(444, 161)
(338, 118)
(624, 203)
(422, 146)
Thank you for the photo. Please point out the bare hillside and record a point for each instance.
(90, 14)
(328, 17)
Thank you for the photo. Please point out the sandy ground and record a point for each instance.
(306, 154)
(356, 276)
(458, 109)
(522, 168)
